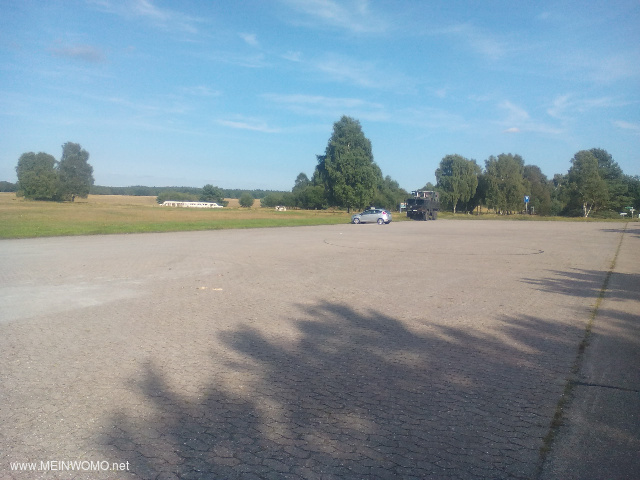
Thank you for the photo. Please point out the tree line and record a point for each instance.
(346, 176)
(42, 177)
(594, 185)
(195, 192)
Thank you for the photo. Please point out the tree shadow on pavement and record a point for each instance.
(586, 283)
(356, 395)
(632, 228)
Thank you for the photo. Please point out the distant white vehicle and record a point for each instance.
(172, 203)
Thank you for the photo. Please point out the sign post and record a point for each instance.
(526, 203)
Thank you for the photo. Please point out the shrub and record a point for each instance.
(246, 200)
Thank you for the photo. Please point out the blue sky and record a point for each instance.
(244, 94)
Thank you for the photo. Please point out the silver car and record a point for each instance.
(372, 215)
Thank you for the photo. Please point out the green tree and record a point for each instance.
(246, 200)
(478, 197)
(539, 190)
(587, 188)
(311, 197)
(347, 170)
(505, 181)
(274, 199)
(389, 195)
(302, 181)
(76, 175)
(559, 194)
(37, 176)
(617, 184)
(633, 184)
(271, 200)
(213, 194)
(457, 180)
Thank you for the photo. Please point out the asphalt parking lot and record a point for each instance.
(436, 349)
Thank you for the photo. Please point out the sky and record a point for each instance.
(244, 93)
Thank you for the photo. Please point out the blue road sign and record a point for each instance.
(526, 199)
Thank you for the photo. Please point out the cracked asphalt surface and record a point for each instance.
(410, 350)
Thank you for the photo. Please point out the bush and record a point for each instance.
(246, 200)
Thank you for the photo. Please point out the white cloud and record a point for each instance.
(602, 69)
(248, 124)
(518, 120)
(351, 15)
(318, 105)
(252, 60)
(514, 113)
(293, 56)
(476, 39)
(567, 105)
(250, 39)
(558, 106)
(338, 67)
(145, 9)
(200, 91)
(633, 127)
(343, 68)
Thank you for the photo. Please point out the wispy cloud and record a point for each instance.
(361, 73)
(515, 114)
(164, 18)
(430, 119)
(567, 105)
(338, 67)
(292, 56)
(518, 120)
(200, 91)
(166, 106)
(254, 59)
(624, 125)
(476, 39)
(354, 16)
(250, 39)
(85, 53)
(318, 105)
(252, 124)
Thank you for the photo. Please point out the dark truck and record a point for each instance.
(424, 205)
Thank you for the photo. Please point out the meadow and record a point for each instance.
(108, 214)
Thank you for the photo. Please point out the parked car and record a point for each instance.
(372, 215)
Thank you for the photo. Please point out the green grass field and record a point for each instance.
(106, 214)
